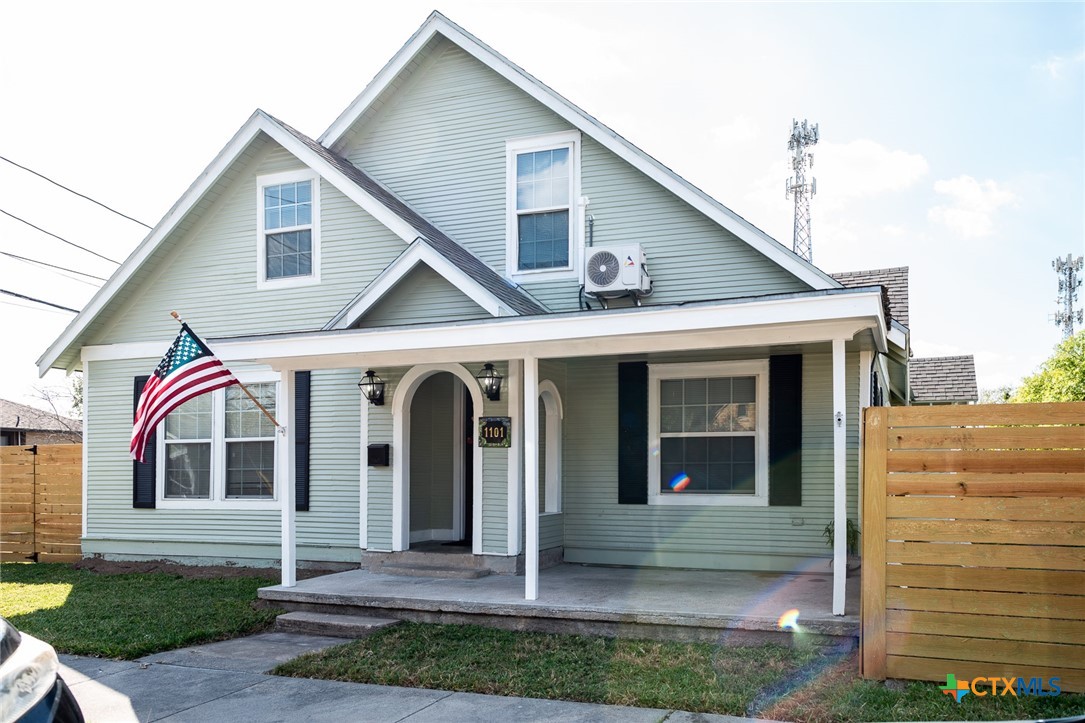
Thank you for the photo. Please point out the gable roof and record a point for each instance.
(371, 196)
(943, 379)
(895, 281)
(19, 416)
(695, 197)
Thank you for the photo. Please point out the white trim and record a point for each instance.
(531, 478)
(86, 445)
(401, 473)
(515, 477)
(275, 179)
(756, 367)
(555, 413)
(840, 479)
(284, 478)
(514, 147)
(419, 252)
(457, 462)
(439, 24)
(218, 499)
(866, 359)
(363, 473)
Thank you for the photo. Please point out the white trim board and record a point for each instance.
(698, 199)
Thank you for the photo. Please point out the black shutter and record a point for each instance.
(143, 488)
(301, 441)
(785, 430)
(633, 433)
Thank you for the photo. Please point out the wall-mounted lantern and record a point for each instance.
(372, 388)
(490, 381)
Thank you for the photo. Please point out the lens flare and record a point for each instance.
(790, 619)
(680, 481)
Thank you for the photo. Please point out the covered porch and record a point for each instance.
(653, 603)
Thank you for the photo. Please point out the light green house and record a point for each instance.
(676, 388)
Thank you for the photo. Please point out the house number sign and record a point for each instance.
(494, 431)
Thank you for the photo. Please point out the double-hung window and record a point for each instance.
(708, 432)
(288, 243)
(543, 202)
(218, 449)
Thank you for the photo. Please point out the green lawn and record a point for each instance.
(126, 616)
(801, 682)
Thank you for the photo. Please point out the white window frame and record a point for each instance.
(550, 141)
(275, 179)
(218, 499)
(758, 368)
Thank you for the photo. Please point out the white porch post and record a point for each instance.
(516, 446)
(284, 474)
(840, 489)
(866, 397)
(531, 477)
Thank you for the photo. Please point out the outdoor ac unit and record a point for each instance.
(613, 271)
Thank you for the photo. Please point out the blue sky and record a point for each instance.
(951, 134)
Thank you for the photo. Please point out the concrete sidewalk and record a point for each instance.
(226, 682)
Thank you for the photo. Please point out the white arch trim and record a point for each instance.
(401, 473)
(551, 399)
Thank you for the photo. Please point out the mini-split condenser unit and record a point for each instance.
(614, 271)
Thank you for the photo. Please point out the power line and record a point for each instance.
(77, 193)
(50, 233)
(52, 266)
(38, 301)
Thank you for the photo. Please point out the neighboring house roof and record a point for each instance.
(612, 141)
(943, 379)
(31, 419)
(895, 281)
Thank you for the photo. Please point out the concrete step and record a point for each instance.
(338, 626)
(444, 572)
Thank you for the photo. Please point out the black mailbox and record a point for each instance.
(380, 455)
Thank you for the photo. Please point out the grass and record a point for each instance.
(805, 683)
(129, 615)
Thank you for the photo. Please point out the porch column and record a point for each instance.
(284, 476)
(840, 488)
(531, 478)
(866, 362)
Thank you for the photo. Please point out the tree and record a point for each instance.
(996, 395)
(1061, 378)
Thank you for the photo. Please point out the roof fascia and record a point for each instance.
(419, 252)
(698, 199)
(258, 122)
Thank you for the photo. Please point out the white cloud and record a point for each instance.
(740, 129)
(893, 230)
(863, 169)
(1056, 64)
(972, 205)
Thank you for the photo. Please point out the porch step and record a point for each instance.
(338, 626)
(445, 572)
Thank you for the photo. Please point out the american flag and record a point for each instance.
(188, 370)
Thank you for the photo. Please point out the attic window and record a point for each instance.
(288, 244)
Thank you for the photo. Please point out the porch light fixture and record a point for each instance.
(372, 388)
(490, 381)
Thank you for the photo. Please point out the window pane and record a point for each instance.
(250, 469)
(304, 192)
(743, 449)
(745, 417)
(289, 254)
(719, 390)
(288, 205)
(289, 216)
(693, 419)
(670, 391)
(544, 240)
(695, 391)
(745, 389)
(720, 449)
(305, 264)
(243, 418)
(670, 419)
(191, 420)
(743, 478)
(188, 470)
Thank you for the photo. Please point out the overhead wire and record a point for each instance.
(52, 266)
(38, 301)
(59, 238)
(77, 193)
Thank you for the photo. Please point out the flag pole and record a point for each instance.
(245, 389)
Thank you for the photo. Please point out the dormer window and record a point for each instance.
(544, 214)
(288, 243)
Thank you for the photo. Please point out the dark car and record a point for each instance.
(31, 689)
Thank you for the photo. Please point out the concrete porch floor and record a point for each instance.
(627, 602)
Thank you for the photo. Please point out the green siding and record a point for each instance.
(422, 295)
(440, 144)
(209, 274)
(599, 530)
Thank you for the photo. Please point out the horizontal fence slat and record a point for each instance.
(986, 461)
(999, 627)
(994, 579)
(989, 508)
(1010, 556)
(987, 414)
(985, 650)
(987, 438)
(1020, 533)
(1059, 607)
(988, 485)
(902, 666)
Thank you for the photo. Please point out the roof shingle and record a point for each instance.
(895, 281)
(20, 416)
(943, 379)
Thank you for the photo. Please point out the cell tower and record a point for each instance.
(1068, 270)
(802, 137)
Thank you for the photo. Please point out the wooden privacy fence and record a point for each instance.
(41, 502)
(974, 542)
